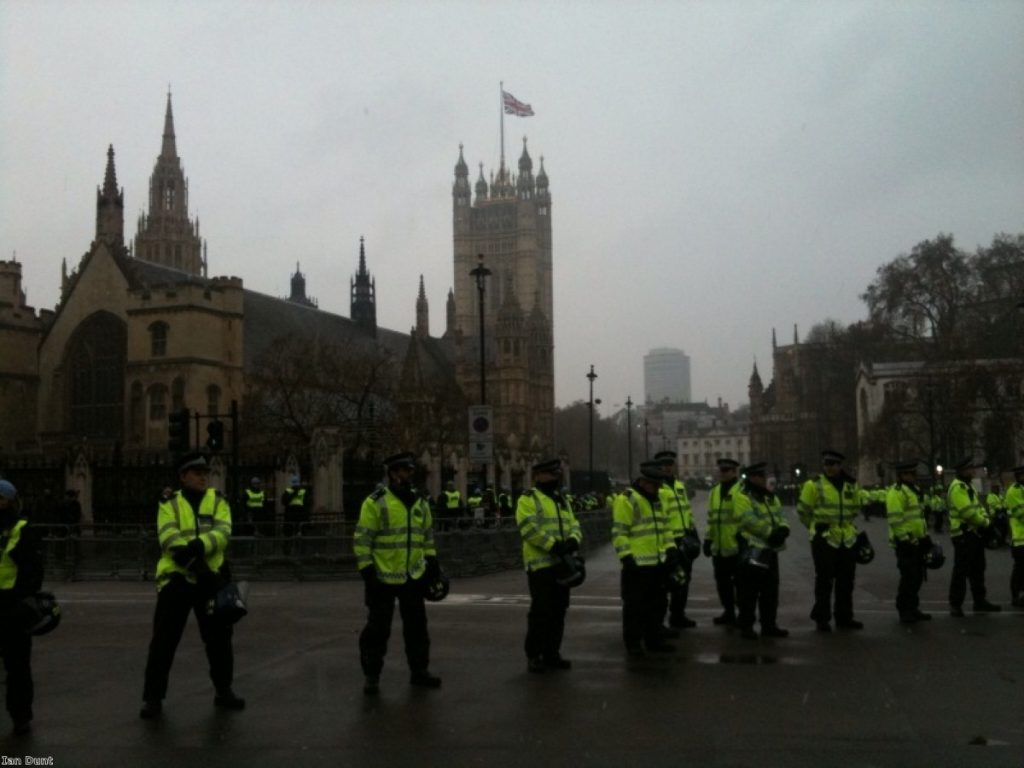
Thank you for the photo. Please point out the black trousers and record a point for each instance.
(758, 588)
(1017, 574)
(373, 641)
(725, 580)
(678, 596)
(833, 567)
(545, 623)
(968, 566)
(16, 647)
(910, 562)
(173, 604)
(643, 605)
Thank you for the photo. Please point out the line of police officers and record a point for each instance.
(653, 534)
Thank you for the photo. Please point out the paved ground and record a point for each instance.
(887, 696)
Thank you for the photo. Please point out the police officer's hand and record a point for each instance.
(571, 545)
(433, 568)
(672, 558)
(558, 548)
(821, 527)
(369, 574)
(706, 548)
(181, 556)
(629, 563)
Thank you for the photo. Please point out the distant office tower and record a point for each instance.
(666, 376)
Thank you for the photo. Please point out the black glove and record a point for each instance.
(433, 568)
(778, 537)
(821, 527)
(369, 574)
(707, 548)
(629, 563)
(558, 548)
(925, 543)
(571, 545)
(672, 558)
(679, 542)
(191, 552)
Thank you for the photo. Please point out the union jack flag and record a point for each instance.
(514, 106)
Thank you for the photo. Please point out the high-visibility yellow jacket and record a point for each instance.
(640, 529)
(176, 527)
(676, 502)
(452, 499)
(722, 523)
(904, 511)
(542, 521)
(821, 503)
(1015, 509)
(965, 510)
(392, 538)
(757, 515)
(993, 501)
(255, 499)
(297, 497)
(9, 568)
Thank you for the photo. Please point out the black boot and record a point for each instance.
(226, 699)
(423, 679)
(151, 709)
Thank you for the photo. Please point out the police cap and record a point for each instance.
(724, 464)
(652, 471)
(404, 459)
(548, 465)
(830, 456)
(665, 457)
(194, 460)
(760, 468)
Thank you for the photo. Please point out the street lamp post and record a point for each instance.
(480, 273)
(629, 438)
(647, 439)
(591, 376)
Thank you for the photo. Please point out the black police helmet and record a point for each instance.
(435, 590)
(863, 550)
(40, 613)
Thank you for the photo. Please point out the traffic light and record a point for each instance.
(177, 431)
(215, 435)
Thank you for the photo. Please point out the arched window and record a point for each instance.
(213, 399)
(158, 338)
(157, 402)
(95, 365)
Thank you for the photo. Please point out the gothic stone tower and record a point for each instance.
(167, 236)
(509, 223)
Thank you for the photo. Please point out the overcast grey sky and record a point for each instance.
(717, 168)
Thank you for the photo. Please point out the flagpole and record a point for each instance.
(501, 111)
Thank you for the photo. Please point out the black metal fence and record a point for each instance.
(315, 550)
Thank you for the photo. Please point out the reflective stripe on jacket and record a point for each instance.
(822, 503)
(640, 529)
(721, 530)
(542, 521)
(965, 510)
(905, 514)
(392, 538)
(176, 527)
(254, 499)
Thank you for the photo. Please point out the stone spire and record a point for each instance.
(449, 327)
(363, 292)
(422, 313)
(168, 149)
(110, 206)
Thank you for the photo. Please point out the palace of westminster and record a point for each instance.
(141, 329)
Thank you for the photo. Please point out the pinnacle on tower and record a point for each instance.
(168, 148)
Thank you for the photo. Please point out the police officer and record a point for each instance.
(908, 531)
(295, 501)
(255, 499)
(643, 541)
(1015, 510)
(676, 503)
(720, 539)
(550, 535)
(395, 554)
(763, 530)
(21, 575)
(828, 507)
(194, 528)
(968, 524)
(451, 502)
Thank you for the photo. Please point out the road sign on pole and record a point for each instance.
(481, 433)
